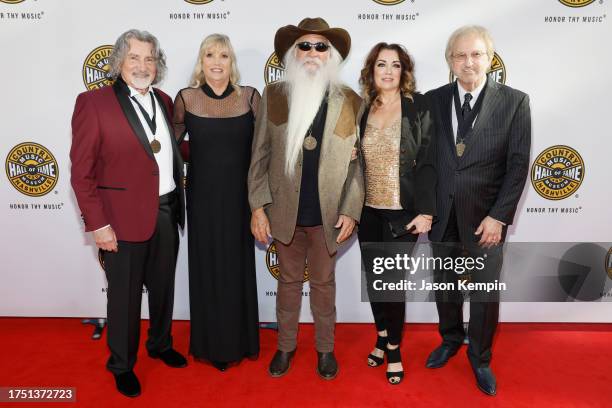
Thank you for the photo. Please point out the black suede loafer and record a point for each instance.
(170, 357)
(127, 384)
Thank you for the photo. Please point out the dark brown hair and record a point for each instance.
(407, 81)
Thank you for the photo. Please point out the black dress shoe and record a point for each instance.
(485, 380)
(127, 384)
(220, 365)
(171, 357)
(440, 356)
(280, 363)
(327, 366)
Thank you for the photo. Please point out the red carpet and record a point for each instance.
(537, 365)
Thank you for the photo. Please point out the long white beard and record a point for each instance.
(305, 90)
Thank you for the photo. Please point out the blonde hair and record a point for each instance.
(215, 40)
(477, 30)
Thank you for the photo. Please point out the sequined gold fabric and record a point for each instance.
(380, 148)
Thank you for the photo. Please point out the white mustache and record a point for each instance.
(141, 74)
(316, 61)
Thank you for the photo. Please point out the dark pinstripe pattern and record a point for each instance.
(489, 178)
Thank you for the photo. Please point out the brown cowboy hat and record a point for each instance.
(285, 36)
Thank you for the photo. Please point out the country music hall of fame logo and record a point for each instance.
(576, 3)
(32, 169)
(388, 2)
(96, 69)
(274, 70)
(11, 1)
(273, 264)
(557, 172)
(497, 70)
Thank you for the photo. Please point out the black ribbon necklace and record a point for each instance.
(465, 118)
(155, 145)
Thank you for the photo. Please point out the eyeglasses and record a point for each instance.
(307, 46)
(462, 56)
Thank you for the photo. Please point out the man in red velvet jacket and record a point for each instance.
(127, 177)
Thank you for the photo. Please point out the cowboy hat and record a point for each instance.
(286, 36)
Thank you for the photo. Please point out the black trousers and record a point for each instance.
(374, 227)
(153, 264)
(484, 310)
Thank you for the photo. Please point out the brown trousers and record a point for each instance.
(308, 242)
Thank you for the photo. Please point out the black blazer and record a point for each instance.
(418, 175)
(489, 178)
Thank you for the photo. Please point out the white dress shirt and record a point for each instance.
(475, 93)
(164, 156)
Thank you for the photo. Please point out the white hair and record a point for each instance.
(305, 92)
(466, 30)
(122, 47)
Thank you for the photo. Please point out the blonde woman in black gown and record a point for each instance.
(218, 116)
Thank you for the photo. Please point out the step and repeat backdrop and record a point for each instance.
(557, 51)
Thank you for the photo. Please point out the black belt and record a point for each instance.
(167, 198)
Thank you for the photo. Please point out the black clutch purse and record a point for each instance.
(397, 220)
(399, 229)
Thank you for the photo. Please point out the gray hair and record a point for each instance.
(122, 46)
(477, 30)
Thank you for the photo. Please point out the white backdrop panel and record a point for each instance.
(50, 267)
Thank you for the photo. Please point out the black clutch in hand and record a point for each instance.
(399, 229)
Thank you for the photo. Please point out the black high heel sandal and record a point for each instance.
(394, 356)
(381, 344)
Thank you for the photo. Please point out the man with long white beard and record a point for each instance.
(305, 180)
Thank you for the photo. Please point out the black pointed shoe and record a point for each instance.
(127, 383)
(170, 357)
(485, 380)
(280, 363)
(440, 356)
(327, 366)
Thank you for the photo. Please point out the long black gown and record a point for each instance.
(222, 280)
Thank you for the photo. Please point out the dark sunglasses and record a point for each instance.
(307, 46)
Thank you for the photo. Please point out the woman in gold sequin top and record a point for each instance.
(400, 178)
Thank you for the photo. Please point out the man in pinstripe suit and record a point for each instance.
(484, 136)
